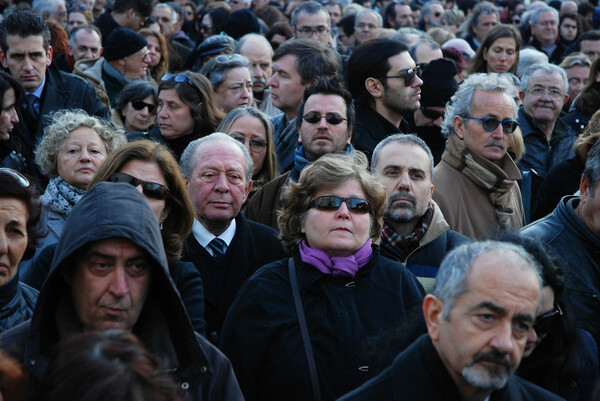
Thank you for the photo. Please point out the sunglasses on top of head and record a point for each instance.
(331, 203)
(150, 189)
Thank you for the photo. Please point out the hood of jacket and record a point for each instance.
(115, 210)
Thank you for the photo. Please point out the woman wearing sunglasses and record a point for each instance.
(135, 106)
(72, 149)
(558, 356)
(20, 229)
(345, 291)
(153, 170)
(253, 128)
(186, 111)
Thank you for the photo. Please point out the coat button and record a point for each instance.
(214, 337)
(351, 284)
(185, 386)
(203, 369)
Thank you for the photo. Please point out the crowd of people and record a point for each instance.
(299, 200)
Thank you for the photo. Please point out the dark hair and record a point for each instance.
(574, 17)
(562, 358)
(279, 28)
(143, 7)
(315, 59)
(133, 92)
(593, 35)
(59, 39)
(198, 95)
(479, 64)
(105, 365)
(328, 86)
(10, 187)
(370, 60)
(7, 81)
(390, 13)
(346, 24)
(588, 100)
(269, 14)
(24, 23)
(12, 378)
(218, 17)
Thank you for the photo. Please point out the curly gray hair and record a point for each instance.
(63, 123)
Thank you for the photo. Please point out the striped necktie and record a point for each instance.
(217, 245)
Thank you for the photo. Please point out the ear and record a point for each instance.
(459, 126)
(70, 50)
(374, 87)
(433, 310)
(164, 214)
(248, 188)
(101, 51)
(484, 54)
(49, 60)
(584, 189)
(431, 191)
(299, 134)
(131, 13)
(3, 59)
(566, 99)
(521, 95)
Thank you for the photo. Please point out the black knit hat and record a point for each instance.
(438, 83)
(123, 42)
(241, 22)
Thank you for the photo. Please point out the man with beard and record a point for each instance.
(414, 230)
(478, 318)
(385, 84)
(257, 49)
(324, 125)
(476, 181)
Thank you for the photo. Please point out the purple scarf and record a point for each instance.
(336, 265)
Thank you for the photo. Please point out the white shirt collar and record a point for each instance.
(203, 236)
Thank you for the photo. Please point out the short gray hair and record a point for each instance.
(402, 34)
(47, 6)
(63, 122)
(548, 69)
(187, 162)
(402, 139)
(534, 15)
(451, 281)
(310, 8)
(216, 69)
(433, 45)
(575, 59)
(529, 57)
(460, 103)
(368, 11)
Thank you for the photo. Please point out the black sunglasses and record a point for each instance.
(431, 114)
(329, 203)
(543, 324)
(150, 189)
(139, 105)
(314, 117)
(408, 75)
(489, 124)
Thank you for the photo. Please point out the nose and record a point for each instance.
(221, 184)
(162, 113)
(85, 155)
(88, 54)
(498, 133)
(14, 117)
(438, 121)
(417, 82)
(247, 92)
(533, 337)
(273, 81)
(404, 182)
(3, 243)
(503, 338)
(28, 66)
(314, 35)
(323, 123)
(119, 286)
(502, 56)
(343, 212)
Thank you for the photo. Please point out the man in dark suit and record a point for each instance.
(225, 247)
(27, 54)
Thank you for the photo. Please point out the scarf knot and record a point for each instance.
(336, 265)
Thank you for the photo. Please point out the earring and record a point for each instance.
(161, 225)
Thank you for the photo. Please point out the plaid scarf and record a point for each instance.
(402, 244)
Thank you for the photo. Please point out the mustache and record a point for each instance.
(495, 142)
(259, 81)
(496, 357)
(402, 195)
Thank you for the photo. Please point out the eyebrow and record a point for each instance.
(396, 166)
(102, 255)
(521, 317)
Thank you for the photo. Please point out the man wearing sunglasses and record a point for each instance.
(476, 181)
(478, 316)
(225, 247)
(572, 231)
(325, 124)
(431, 15)
(414, 230)
(386, 86)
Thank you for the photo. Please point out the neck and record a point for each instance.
(215, 227)
(291, 114)
(390, 115)
(120, 18)
(404, 228)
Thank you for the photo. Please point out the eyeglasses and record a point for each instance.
(330, 203)
(309, 31)
(408, 75)
(543, 324)
(150, 189)
(139, 105)
(489, 124)
(553, 93)
(257, 145)
(314, 117)
(431, 114)
(180, 78)
(24, 182)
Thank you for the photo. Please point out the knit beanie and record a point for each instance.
(123, 42)
(241, 22)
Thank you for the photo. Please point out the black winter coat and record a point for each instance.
(17, 301)
(261, 335)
